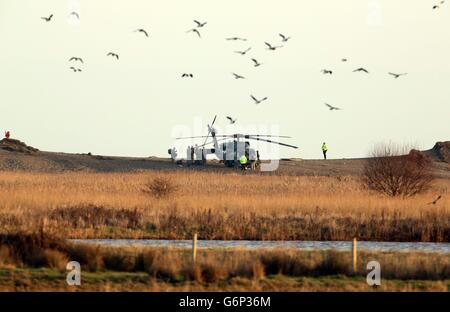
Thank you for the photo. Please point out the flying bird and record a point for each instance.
(326, 71)
(75, 14)
(361, 69)
(142, 31)
(236, 76)
(47, 19)
(437, 6)
(200, 24)
(332, 107)
(271, 47)
(185, 75)
(195, 31)
(435, 201)
(344, 60)
(258, 101)
(113, 55)
(256, 62)
(243, 52)
(74, 58)
(75, 69)
(397, 75)
(236, 38)
(232, 120)
(284, 38)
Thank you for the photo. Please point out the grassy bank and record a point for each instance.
(30, 260)
(31, 279)
(218, 206)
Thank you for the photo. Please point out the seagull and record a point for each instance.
(256, 62)
(256, 100)
(47, 19)
(185, 75)
(271, 47)
(326, 71)
(113, 55)
(142, 31)
(332, 107)
(243, 52)
(232, 120)
(74, 58)
(437, 6)
(75, 69)
(435, 201)
(236, 76)
(284, 38)
(236, 38)
(195, 31)
(397, 75)
(75, 14)
(199, 24)
(361, 69)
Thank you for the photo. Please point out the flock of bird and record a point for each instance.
(269, 46)
(284, 39)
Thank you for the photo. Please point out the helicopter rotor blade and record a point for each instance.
(266, 135)
(204, 136)
(209, 128)
(274, 142)
(192, 137)
(214, 120)
(211, 142)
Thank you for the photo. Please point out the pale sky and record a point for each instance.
(132, 107)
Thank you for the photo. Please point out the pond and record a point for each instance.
(305, 245)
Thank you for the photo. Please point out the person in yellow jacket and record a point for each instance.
(324, 150)
(243, 161)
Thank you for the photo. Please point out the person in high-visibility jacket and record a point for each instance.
(324, 150)
(243, 161)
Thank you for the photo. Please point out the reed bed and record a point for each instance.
(212, 265)
(217, 206)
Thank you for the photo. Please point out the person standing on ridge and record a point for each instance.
(324, 150)
(7, 134)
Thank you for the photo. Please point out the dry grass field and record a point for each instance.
(224, 205)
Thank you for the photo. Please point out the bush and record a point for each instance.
(160, 187)
(85, 216)
(30, 249)
(56, 259)
(90, 257)
(5, 256)
(393, 172)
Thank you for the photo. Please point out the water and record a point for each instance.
(302, 245)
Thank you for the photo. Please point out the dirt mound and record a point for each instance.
(12, 145)
(441, 151)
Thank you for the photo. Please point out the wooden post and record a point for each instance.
(355, 256)
(194, 248)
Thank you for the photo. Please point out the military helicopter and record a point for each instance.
(230, 147)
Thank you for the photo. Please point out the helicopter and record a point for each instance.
(229, 148)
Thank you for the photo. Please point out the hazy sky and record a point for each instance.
(133, 106)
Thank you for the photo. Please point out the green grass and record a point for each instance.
(44, 279)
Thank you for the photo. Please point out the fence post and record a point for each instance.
(355, 256)
(194, 248)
